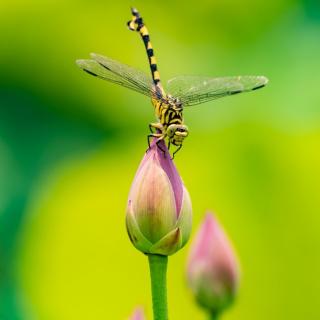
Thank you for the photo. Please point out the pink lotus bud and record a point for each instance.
(213, 272)
(137, 315)
(159, 213)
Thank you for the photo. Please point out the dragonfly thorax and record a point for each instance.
(167, 111)
(170, 125)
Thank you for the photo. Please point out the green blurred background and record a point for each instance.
(70, 145)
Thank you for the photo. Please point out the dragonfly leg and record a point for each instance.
(157, 126)
(148, 139)
(163, 151)
(153, 135)
(176, 151)
(158, 133)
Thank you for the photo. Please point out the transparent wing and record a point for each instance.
(116, 72)
(192, 90)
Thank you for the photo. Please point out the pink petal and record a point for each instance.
(155, 154)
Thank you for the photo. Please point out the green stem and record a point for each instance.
(213, 316)
(158, 274)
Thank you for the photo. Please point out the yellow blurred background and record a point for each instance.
(70, 145)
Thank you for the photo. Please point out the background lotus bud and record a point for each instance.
(137, 315)
(212, 270)
(159, 212)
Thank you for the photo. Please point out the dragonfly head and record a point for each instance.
(177, 133)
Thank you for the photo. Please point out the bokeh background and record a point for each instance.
(70, 145)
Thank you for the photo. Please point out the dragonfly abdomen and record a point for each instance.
(136, 24)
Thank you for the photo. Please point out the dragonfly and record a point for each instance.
(182, 91)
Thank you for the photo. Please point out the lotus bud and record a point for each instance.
(212, 270)
(137, 315)
(159, 212)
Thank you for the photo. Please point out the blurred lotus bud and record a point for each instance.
(137, 315)
(212, 271)
(159, 212)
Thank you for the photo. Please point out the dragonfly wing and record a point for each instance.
(193, 90)
(116, 72)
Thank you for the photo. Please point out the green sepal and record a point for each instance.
(135, 235)
(169, 244)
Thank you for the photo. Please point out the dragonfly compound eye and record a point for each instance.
(181, 131)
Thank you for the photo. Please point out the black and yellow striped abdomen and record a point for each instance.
(137, 24)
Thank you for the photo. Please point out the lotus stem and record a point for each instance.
(158, 273)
